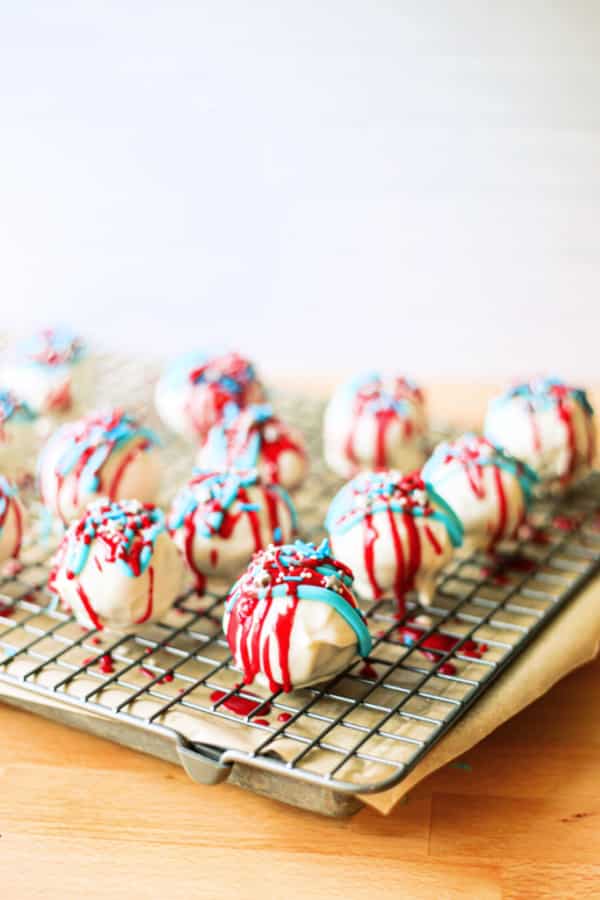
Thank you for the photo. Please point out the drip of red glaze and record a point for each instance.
(150, 602)
(371, 535)
(433, 540)
(399, 585)
(500, 529)
(367, 671)
(261, 721)
(535, 428)
(284, 717)
(241, 706)
(5, 610)
(567, 419)
(96, 623)
(128, 458)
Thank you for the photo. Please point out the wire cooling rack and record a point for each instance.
(365, 730)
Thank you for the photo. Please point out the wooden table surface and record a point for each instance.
(518, 816)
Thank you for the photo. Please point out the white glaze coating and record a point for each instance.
(12, 521)
(375, 422)
(218, 520)
(549, 426)
(128, 463)
(103, 592)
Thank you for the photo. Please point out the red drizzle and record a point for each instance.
(442, 643)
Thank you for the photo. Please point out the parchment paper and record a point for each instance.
(570, 641)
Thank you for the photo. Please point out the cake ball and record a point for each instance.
(218, 520)
(257, 439)
(292, 619)
(12, 521)
(487, 488)
(547, 424)
(198, 391)
(375, 422)
(49, 371)
(394, 533)
(106, 454)
(17, 434)
(117, 566)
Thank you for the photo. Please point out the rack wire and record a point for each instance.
(363, 731)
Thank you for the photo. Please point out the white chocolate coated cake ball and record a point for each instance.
(489, 490)
(17, 435)
(198, 391)
(547, 424)
(220, 519)
(106, 454)
(12, 521)
(50, 372)
(292, 619)
(257, 439)
(394, 533)
(375, 422)
(117, 566)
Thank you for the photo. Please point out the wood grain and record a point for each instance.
(517, 817)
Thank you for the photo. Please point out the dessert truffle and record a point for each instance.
(106, 454)
(117, 566)
(198, 391)
(12, 521)
(549, 425)
(375, 422)
(49, 371)
(292, 619)
(257, 439)
(17, 435)
(218, 520)
(394, 533)
(488, 489)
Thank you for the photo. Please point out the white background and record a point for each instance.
(326, 185)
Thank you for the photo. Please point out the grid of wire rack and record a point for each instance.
(366, 729)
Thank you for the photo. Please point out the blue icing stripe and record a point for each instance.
(102, 435)
(180, 370)
(221, 441)
(101, 516)
(12, 408)
(377, 492)
(543, 393)
(292, 555)
(224, 488)
(436, 469)
(61, 343)
(385, 399)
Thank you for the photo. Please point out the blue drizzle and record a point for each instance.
(105, 433)
(379, 489)
(292, 555)
(539, 394)
(7, 492)
(222, 488)
(217, 449)
(12, 408)
(62, 341)
(101, 516)
(435, 465)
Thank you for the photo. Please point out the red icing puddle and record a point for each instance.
(168, 677)
(367, 671)
(442, 643)
(261, 721)
(564, 523)
(498, 570)
(6, 610)
(241, 706)
(147, 672)
(284, 717)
